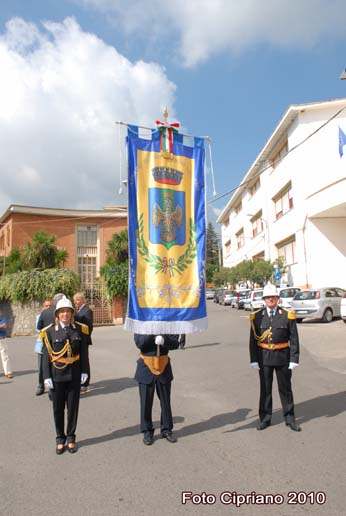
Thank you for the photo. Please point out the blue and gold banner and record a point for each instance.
(167, 236)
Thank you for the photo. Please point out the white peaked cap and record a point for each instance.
(270, 290)
(63, 303)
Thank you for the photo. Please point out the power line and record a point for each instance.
(244, 183)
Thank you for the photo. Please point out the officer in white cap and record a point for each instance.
(274, 345)
(64, 366)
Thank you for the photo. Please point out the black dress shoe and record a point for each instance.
(263, 425)
(72, 448)
(39, 390)
(169, 436)
(291, 422)
(148, 438)
(60, 451)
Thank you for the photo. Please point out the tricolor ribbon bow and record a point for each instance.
(167, 264)
(166, 136)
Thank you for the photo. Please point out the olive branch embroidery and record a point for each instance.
(167, 264)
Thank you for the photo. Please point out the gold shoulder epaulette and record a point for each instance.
(84, 327)
(253, 314)
(291, 315)
(43, 331)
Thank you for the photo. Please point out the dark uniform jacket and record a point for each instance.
(57, 338)
(85, 316)
(147, 346)
(46, 318)
(283, 329)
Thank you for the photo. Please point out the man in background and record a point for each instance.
(83, 314)
(39, 350)
(47, 317)
(6, 364)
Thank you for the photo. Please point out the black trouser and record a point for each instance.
(283, 376)
(40, 371)
(146, 394)
(66, 393)
(87, 368)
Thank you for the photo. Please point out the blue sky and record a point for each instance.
(225, 68)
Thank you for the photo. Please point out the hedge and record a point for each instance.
(38, 284)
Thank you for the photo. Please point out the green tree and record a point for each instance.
(210, 271)
(116, 279)
(212, 245)
(115, 271)
(12, 263)
(262, 271)
(221, 277)
(42, 253)
(245, 270)
(117, 248)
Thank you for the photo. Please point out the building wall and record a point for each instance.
(22, 227)
(326, 263)
(21, 317)
(317, 221)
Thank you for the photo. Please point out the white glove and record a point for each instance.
(49, 383)
(293, 365)
(254, 365)
(159, 340)
(83, 378)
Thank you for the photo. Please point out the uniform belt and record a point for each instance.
(279, 345)
(68, 360)
(157, 365)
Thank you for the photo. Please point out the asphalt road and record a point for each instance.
(219, 450)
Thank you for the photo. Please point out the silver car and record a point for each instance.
(254, 299)
(319, 303)
(286, 296)
(226, 297)
(209, 293)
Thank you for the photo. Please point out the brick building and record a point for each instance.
(83, 233)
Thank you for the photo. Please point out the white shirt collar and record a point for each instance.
(271, 310)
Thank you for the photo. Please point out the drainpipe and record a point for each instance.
(305, 257)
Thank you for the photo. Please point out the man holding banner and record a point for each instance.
(154, 372)
(167, 247)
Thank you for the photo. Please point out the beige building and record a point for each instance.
(292, 202)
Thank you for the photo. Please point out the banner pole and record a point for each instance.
(151, 129)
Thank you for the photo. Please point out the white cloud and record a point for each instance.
(201, 29)
(61, 91)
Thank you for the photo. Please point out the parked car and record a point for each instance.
(343, 309)
(238, 298)
(320, 303)
(226, 297)
(217, 295)
(286, 296)
(209, 293)
(254, 300)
